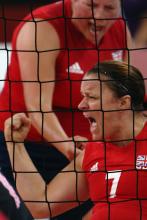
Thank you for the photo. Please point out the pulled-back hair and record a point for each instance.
(123, 79)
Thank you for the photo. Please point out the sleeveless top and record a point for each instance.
(77, 56)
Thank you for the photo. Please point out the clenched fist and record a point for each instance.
(17, 127)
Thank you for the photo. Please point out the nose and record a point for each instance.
(83, 105)
(99, 13)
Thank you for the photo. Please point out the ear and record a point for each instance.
(125, 102)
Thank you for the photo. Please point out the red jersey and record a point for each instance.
(117, 178)
(77, 55)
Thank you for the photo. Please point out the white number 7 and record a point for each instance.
(115, 175)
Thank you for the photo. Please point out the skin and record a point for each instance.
(99, 14)
(141, 35)
(98, 96)
(73, 184)
(48, 39)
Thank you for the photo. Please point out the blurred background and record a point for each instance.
(11, 12)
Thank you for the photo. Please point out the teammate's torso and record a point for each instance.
(77, 56)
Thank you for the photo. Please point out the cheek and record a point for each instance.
(115, 13)
(81, 11)
(99, 117)
(110, 119)
(95, 106)
(109, 103)
(108, 116)
(98, 134)
(111, 17)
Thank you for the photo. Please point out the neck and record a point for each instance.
(129, 129)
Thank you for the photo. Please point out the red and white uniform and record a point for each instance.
(117, 178)
(77, 56)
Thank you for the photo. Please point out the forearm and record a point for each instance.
(29, 183)
(130, 44)
(48, 125)
(60, 195)
(39, 91)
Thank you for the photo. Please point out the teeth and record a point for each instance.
(91, 120)
(93, 126)
(94, 28)
(94, 123)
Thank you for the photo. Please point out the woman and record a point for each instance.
(112, 170)
(50, 55)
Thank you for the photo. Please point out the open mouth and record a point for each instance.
(95, 28)
(91, 120)
(94, 125)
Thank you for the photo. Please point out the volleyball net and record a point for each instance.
(12, 14)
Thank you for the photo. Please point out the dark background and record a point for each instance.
(11, 12)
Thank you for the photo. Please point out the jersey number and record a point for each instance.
(115, 176)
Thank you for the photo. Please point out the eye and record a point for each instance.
(90, 5)
(93, 97)
(109, 7)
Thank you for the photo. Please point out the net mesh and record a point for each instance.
(10, 17)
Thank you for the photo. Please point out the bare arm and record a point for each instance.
(141, 35)
(61, 194)
(88, 215)
(39, 67)
(130, 44)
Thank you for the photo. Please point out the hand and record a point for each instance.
(75, 147)
(80, 142)
(17, 127)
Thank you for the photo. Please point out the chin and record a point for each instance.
(96, 137)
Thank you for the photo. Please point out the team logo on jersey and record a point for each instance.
(75, 68)
(94, 168)
(141, 162)
(117, 55)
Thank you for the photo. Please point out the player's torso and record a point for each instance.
(117, 177)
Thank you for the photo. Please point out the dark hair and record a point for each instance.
(123, 79)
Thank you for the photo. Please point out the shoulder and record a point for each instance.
(47, 22)
(143, 134)
(119, 27)
(39, 35)
(93, 151)
(93, 147)
(53, 10)
(118, 30)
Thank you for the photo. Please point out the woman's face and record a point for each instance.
(98, 16)
(100, 106)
